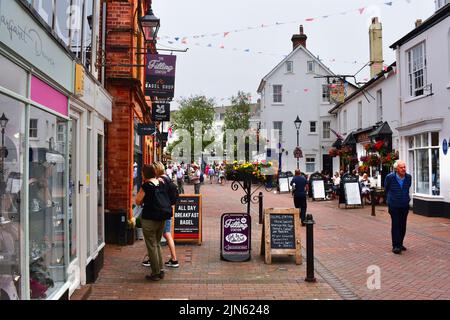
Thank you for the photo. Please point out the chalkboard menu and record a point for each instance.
(281, 234)
(235, 237)
(187, 219)
(282, 231)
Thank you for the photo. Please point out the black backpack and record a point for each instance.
(160, 208)
(172, 190)
(202, 178)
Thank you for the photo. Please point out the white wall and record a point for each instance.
(422, 114)
(302, 96)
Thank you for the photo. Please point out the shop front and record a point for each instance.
(90, 109)
(36, 82)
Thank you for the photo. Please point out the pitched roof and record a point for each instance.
(300, 47)
(379, 76)
(439, 15)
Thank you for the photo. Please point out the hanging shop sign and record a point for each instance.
(337, 92)
(161, 112)
(160, 76)
(146, 129)
(298, 153)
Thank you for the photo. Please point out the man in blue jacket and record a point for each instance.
(301, 190)
(397, 185)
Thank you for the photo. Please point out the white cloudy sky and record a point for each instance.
(340, 39)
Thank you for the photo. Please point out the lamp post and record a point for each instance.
(298, 124)
(257, 137)
(149, 24)
(4, 153)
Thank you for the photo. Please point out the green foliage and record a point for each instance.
(192, 110)
(237, 116)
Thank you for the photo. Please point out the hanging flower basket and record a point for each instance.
(246, 171)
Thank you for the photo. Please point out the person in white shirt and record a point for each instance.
(169, 171)
(180, 179)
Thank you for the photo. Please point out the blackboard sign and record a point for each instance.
(282, 231)
(187, 219)
(235, 237)
(281, 234)
(351, 190)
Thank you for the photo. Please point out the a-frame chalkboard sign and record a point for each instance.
(351, 191)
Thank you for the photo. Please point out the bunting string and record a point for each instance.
(225, 34)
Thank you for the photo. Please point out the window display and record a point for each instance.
(12, 128)
(46, 198)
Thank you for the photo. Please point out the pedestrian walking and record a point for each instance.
(180, 179)
(300, 185)
(396, 186)
(196, 179)
(156, 209)
(211, 174)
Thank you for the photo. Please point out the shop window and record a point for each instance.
(47, 210)
(12, 187)
(424, 163)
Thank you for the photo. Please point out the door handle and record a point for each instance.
(79, 186)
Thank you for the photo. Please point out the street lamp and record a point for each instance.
(4, 153)
(150, 26)
(298, 124)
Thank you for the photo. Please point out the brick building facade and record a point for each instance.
(126, 151)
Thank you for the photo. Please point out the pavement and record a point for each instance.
(353, 259)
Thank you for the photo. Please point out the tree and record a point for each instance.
(237, 117)
(193, 110)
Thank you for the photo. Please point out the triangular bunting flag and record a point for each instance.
(361, 10)
(226, 33)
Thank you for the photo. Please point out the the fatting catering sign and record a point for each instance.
(160, 76)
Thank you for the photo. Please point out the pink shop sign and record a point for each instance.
(45, 95)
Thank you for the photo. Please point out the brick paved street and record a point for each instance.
(347, 242)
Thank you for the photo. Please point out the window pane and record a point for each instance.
(11, 210)
(76, 27)
(435, 139)
(17, 78)
(418, 141)
(87, 33)
(45, 10)
(413, 170)
(423, 172)
(62, 22)
(425, 140)
(47, 194)
(435, 174)
(411, 142)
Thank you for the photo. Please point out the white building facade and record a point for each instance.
(295, 88)
(423, 62)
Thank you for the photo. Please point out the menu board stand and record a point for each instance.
(318, 186)
(351, 191)
(236, 237)
(281, 234)
(187, 219)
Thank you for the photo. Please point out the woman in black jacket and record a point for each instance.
(156, 208)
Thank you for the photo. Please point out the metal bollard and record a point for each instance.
(260, 196)
(309, 249)
(372, 200)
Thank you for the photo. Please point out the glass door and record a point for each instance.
(73, 212)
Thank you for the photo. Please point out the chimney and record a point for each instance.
(418, 22)
(299, 39)
(376, 47)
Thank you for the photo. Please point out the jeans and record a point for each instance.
(398, 227)
(153, 231)
(300, 202)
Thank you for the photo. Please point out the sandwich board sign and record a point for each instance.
(236, 237)
(187, 219)
(281, 234)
